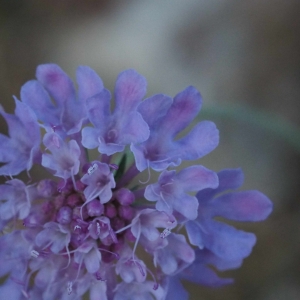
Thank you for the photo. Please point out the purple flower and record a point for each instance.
(166, 118)
(224, 240)
(171, 191)
(21, 149)
(85, 225)
(99, 182)
(64, 159)
(112, 132)
(15, 200)
(67, 114)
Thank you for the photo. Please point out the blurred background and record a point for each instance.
(244, 57)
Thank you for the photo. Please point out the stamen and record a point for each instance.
(156, 285)
(114, 166)
(165, 233)
(74, 182)
(69, 257)
(149, 174)
(138, 265)
(34, 253)
(26, 295)
(70, 287)
(162, 197)
(113, 236)
(171, 218)
(105, 250)
(124, 228)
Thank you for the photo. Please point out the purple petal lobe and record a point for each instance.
(228, 179)
(171, 191)
(169, 118)
(242, 206)
(22, 148)
(203, 138)
(99, 183)
(56, 82)
(129, 91)
(98, 108)
(226, 241)
(90, 137)
(176, 289)
(154, 109)
(135, 129)
(184, 109)
(89, 83)
(196, 178)
(64, 159)
(34, 95)
(200, 273)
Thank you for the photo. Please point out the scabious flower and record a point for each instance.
(82, 230)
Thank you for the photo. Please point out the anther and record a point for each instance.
(34, 253)
(165, 233)
(77, 227)
(92, 169)
(98, 228)
(70, 287)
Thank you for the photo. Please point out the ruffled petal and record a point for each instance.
(129, 91)
(228, 179)
(133, 129)
(176, 289)
(242, 206)
(89, 83)
(98, 108)
(153, 109)
(98, 291)
(90, 137)
(22, 148)
(61, 88)
(185, 107)
(226, 241)
(196, 178)
(34, 95)
(203, 139)
(186, 205)
(56, 82)
(64, 159)
(92, 260)
(161, 150)
(200, 273)
(175, 255)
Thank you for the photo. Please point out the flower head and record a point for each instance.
(81, 227)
